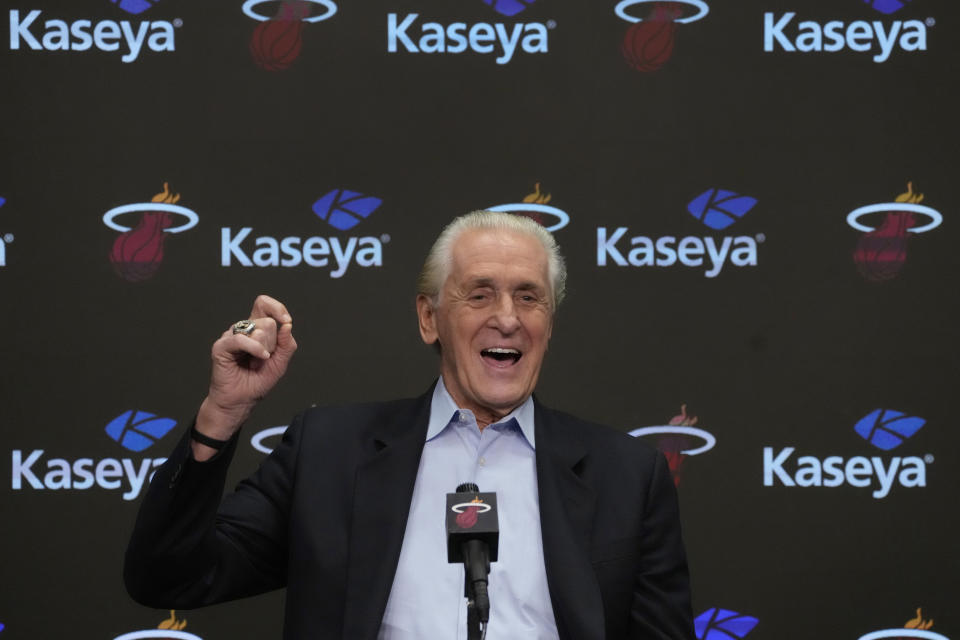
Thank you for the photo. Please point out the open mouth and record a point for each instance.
(501, 356)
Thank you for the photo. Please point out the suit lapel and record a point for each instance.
(383, 491)
(566, 517)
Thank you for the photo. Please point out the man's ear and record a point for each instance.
(427, 317)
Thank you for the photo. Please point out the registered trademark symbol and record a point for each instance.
(8, 237)
(385, 237)
(177, 22)
(928, 458)
(551, 24)
(930, 22)
(761, 237)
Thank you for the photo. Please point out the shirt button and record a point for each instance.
(482, 461)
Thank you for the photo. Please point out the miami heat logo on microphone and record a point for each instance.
(468, 512)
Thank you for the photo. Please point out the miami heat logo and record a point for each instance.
(677, 438)
(648, 43)
(277, 40)
(916, 627)
(536, 206)
(882, 251)
(468, 512)
(169, 629)
(138, 252)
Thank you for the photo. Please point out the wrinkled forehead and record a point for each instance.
(479, 252)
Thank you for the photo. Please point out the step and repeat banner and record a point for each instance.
(756, 198)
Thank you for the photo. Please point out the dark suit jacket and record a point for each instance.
(325, 516)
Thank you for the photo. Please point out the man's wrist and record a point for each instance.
(213, 443)
(217, 423)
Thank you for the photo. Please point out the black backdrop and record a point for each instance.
(792, 351)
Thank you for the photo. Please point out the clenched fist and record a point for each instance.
(245, 369)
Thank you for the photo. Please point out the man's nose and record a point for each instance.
(505, 315)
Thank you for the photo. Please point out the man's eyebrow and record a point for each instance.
(531, 286)
(479, 281)
(483, 281)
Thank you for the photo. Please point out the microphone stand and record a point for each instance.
(474, 631)
(476, 568)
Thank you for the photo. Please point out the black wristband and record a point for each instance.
(210, 442)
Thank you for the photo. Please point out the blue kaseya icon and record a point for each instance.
(720, 624)
(508, 7)
(138, 430)
(887, 6)
(343, 209)
(134, 6)
(2, 201)
(719, 208)
(887, 429)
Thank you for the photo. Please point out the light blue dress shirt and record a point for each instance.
(426, 601)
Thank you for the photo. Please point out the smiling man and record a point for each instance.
(590, 543)
(493, 311)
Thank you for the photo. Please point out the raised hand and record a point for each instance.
(245, 369)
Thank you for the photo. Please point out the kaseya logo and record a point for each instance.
(887, 6)
(882, 250)
(884, 429)
(784, 32)
(35, 31)
(536, 206)
(723, 624)
(679, 439)
(171, 628)
(278, 38)
(648, 43)
(5, 239)
(716, 209)
(509, 8)
(916, 627)
(138, 251)
(341, 209)
(138, 430)
(408, 33)
(135, 431)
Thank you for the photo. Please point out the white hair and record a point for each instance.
(439, 262)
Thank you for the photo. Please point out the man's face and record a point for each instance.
(493, 320)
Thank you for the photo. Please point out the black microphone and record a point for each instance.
(473, 536)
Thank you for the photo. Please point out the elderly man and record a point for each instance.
(346, 512)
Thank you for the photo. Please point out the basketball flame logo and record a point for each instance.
(881, 253)
(535, 198)
(672, 445)
(467, 519)
(171, 623)
(137, 253)
(918, 622)
(276, 42)
(648, 44)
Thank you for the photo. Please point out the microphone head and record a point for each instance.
(471, 515)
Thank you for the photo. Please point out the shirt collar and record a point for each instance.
(443, 411)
